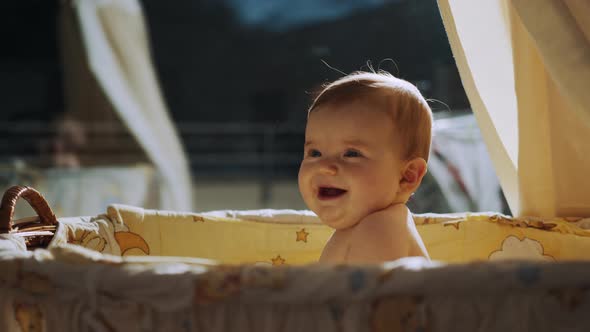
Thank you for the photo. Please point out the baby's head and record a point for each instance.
(367, 142)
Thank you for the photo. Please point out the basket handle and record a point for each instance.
(35, 199)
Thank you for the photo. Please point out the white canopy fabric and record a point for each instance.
(525, 66)
(114, 38)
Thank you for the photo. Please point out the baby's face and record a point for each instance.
(351, 166)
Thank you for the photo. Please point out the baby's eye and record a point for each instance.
(352, 154)
(314, 153)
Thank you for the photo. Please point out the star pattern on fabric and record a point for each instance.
(454, 224)
(301, 235)
(278, 260)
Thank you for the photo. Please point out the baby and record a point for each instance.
(366, 146)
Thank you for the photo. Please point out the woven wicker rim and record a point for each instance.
(33, 197)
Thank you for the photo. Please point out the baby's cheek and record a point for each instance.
(301, 177)
(304, 188)
(378, 192)
(371, 182)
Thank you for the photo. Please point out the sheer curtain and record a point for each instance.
(525, 66)
(113, 42)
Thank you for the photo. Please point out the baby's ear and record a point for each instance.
(412, 175)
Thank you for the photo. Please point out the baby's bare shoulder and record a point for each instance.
(390, 219)
(380, 236)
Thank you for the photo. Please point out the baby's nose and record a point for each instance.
(329, 166)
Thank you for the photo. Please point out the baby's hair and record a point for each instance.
(411, 115)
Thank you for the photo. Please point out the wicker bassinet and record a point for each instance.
(254, 271)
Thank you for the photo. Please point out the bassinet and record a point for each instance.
(525, 78)
(92, 277)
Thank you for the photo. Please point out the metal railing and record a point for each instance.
(254, 151)
(210, 147)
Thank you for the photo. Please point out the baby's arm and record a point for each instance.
(381, 236)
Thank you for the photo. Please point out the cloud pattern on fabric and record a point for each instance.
(514, 248)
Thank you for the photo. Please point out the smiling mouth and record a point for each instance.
(326, 193)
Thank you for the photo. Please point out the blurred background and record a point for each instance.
(201, 105)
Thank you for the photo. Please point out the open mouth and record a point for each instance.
(330, 192)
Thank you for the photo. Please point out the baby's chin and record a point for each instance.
(339, 223)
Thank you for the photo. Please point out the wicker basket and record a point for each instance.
(36, 231)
